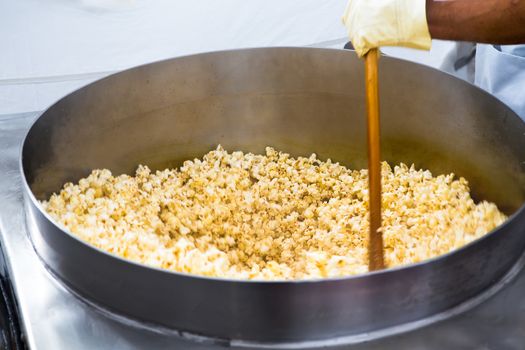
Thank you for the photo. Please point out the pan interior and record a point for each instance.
(162, 114)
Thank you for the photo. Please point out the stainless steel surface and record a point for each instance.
(54, 319)
(298, 100)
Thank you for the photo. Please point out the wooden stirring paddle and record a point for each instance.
(375, 244)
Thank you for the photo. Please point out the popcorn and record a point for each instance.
(270, 217)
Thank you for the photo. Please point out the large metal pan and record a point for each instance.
(299, 100)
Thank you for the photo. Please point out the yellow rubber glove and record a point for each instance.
(375, 23)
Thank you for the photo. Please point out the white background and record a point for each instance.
(51, 47)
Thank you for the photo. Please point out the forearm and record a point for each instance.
(486, 21)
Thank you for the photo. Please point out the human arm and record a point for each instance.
(487, 21)
(412, 23)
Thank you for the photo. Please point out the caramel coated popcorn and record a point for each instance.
(270, 216)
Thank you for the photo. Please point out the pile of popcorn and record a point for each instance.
(270, 217)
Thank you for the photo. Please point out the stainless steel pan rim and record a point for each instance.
(331, 323)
